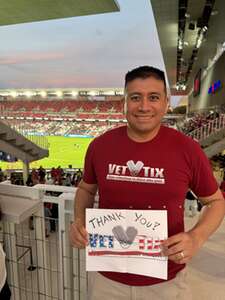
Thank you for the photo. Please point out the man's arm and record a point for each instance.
(181, 247)
(84, 199)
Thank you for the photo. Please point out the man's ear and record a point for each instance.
(167, 103)
(124, 105)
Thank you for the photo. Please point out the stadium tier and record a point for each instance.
(62, 117)
(78, 108)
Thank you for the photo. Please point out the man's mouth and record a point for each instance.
(144, 117)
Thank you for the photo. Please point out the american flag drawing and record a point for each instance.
(144, 246)
(149, 244)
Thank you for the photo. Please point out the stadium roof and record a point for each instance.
(23, 11)
(61, 93)
(191, 33)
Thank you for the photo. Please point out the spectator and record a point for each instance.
(79, 175)
(29, 180)
(154, 167)
(41, 174)
(54, 175)
(34, 176)
(191, 204)
(59, 175)
(67, 180)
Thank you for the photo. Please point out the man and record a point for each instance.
(145, 148)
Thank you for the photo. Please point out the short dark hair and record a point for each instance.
(145, 72)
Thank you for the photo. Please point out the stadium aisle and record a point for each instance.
(207, 268)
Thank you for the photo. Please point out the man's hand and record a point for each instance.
(78, 234)
(181, 247)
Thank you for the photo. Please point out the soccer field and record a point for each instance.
(63, 151)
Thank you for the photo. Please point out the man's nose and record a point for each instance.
(144, 104)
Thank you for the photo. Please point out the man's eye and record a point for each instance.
(153, 98)
(135, 98)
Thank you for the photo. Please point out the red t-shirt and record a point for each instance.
(161, 171)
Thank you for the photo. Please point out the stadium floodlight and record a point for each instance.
(92, 93)
(109, 93)
(5, 94)
(74, 93)
(59, 93)
(13, 94)
(118, 93)
(43, 94)
(28, 94)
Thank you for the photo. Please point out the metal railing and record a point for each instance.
(41, 264)
(206, 130)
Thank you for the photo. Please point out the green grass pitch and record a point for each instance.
(63, 151)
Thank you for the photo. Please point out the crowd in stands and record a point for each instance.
(78, 108)
(34, 117)
(91, 127)
(56, 176)
(94, 127)
(63, 127)
(63, 117)
(197, 121)
(220, 160)
(70, 116)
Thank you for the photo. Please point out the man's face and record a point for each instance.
(145, 106)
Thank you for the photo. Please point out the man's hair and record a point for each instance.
(145, 72)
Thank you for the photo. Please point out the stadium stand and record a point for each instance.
(61, 106)
(41, 228)
(62, 117)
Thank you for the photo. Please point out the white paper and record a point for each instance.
(127, 241)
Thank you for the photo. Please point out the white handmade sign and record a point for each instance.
(126, 241)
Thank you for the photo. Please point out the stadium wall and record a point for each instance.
(206, 100)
